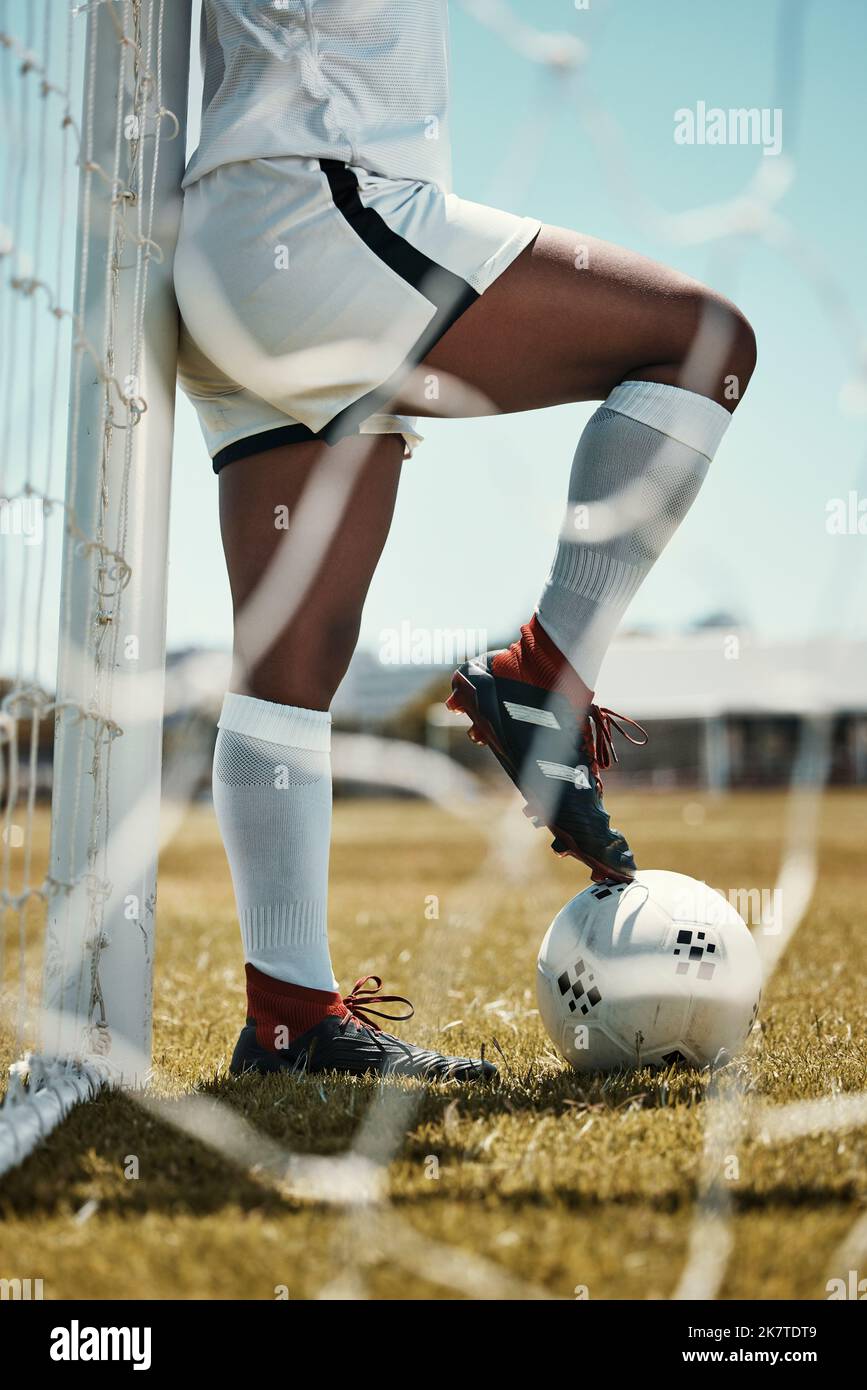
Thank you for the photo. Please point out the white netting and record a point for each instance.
(73, 330)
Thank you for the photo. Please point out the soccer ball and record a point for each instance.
(659, 970)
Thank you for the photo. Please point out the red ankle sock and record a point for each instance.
(291, 1009)
(535, 660)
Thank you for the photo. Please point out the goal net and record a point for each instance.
(94, 113)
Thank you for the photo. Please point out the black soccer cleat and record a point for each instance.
(553, 756)
(351, 1043)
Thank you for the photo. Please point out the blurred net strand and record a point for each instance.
(750, 212)
(111, 574)
(736, 221)
(350, 1181)
(851, 1252)
(809, 1118)
(728, 1107)
(24, 692)
(727, 1116)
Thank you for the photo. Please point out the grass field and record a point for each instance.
(540, 1186)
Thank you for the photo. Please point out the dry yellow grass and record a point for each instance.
(538, 1186)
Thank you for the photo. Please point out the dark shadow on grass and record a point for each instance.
(88, 1155)
(781, 1198)
(85, 1158)
(537, 1089)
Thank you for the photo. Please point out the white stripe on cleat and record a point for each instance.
(578, 776)
(528, 714)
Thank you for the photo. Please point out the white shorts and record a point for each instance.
(309, 288)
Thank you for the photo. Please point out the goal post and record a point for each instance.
(100, 887)
(108, 733)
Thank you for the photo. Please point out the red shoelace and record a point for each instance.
(599, 737)
(360, 997)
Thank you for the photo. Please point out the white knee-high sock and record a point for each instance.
(272, 798)
(637, 470)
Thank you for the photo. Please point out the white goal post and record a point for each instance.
(98, 894)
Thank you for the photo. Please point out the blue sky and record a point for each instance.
(755, 541)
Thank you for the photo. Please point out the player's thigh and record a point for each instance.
(306, 523)
(570, 318)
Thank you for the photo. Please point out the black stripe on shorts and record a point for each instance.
(450, 295)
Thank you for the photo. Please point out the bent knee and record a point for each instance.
(743, 352)
(717, 352)
(726, 345)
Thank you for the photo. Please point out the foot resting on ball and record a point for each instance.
(539, 720)
(291, 1028)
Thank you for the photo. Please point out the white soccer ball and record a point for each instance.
(656, 971)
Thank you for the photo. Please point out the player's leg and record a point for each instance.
(303, 527)
(576, 319)
(322, 515)
(670, 359)
(573, 316)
